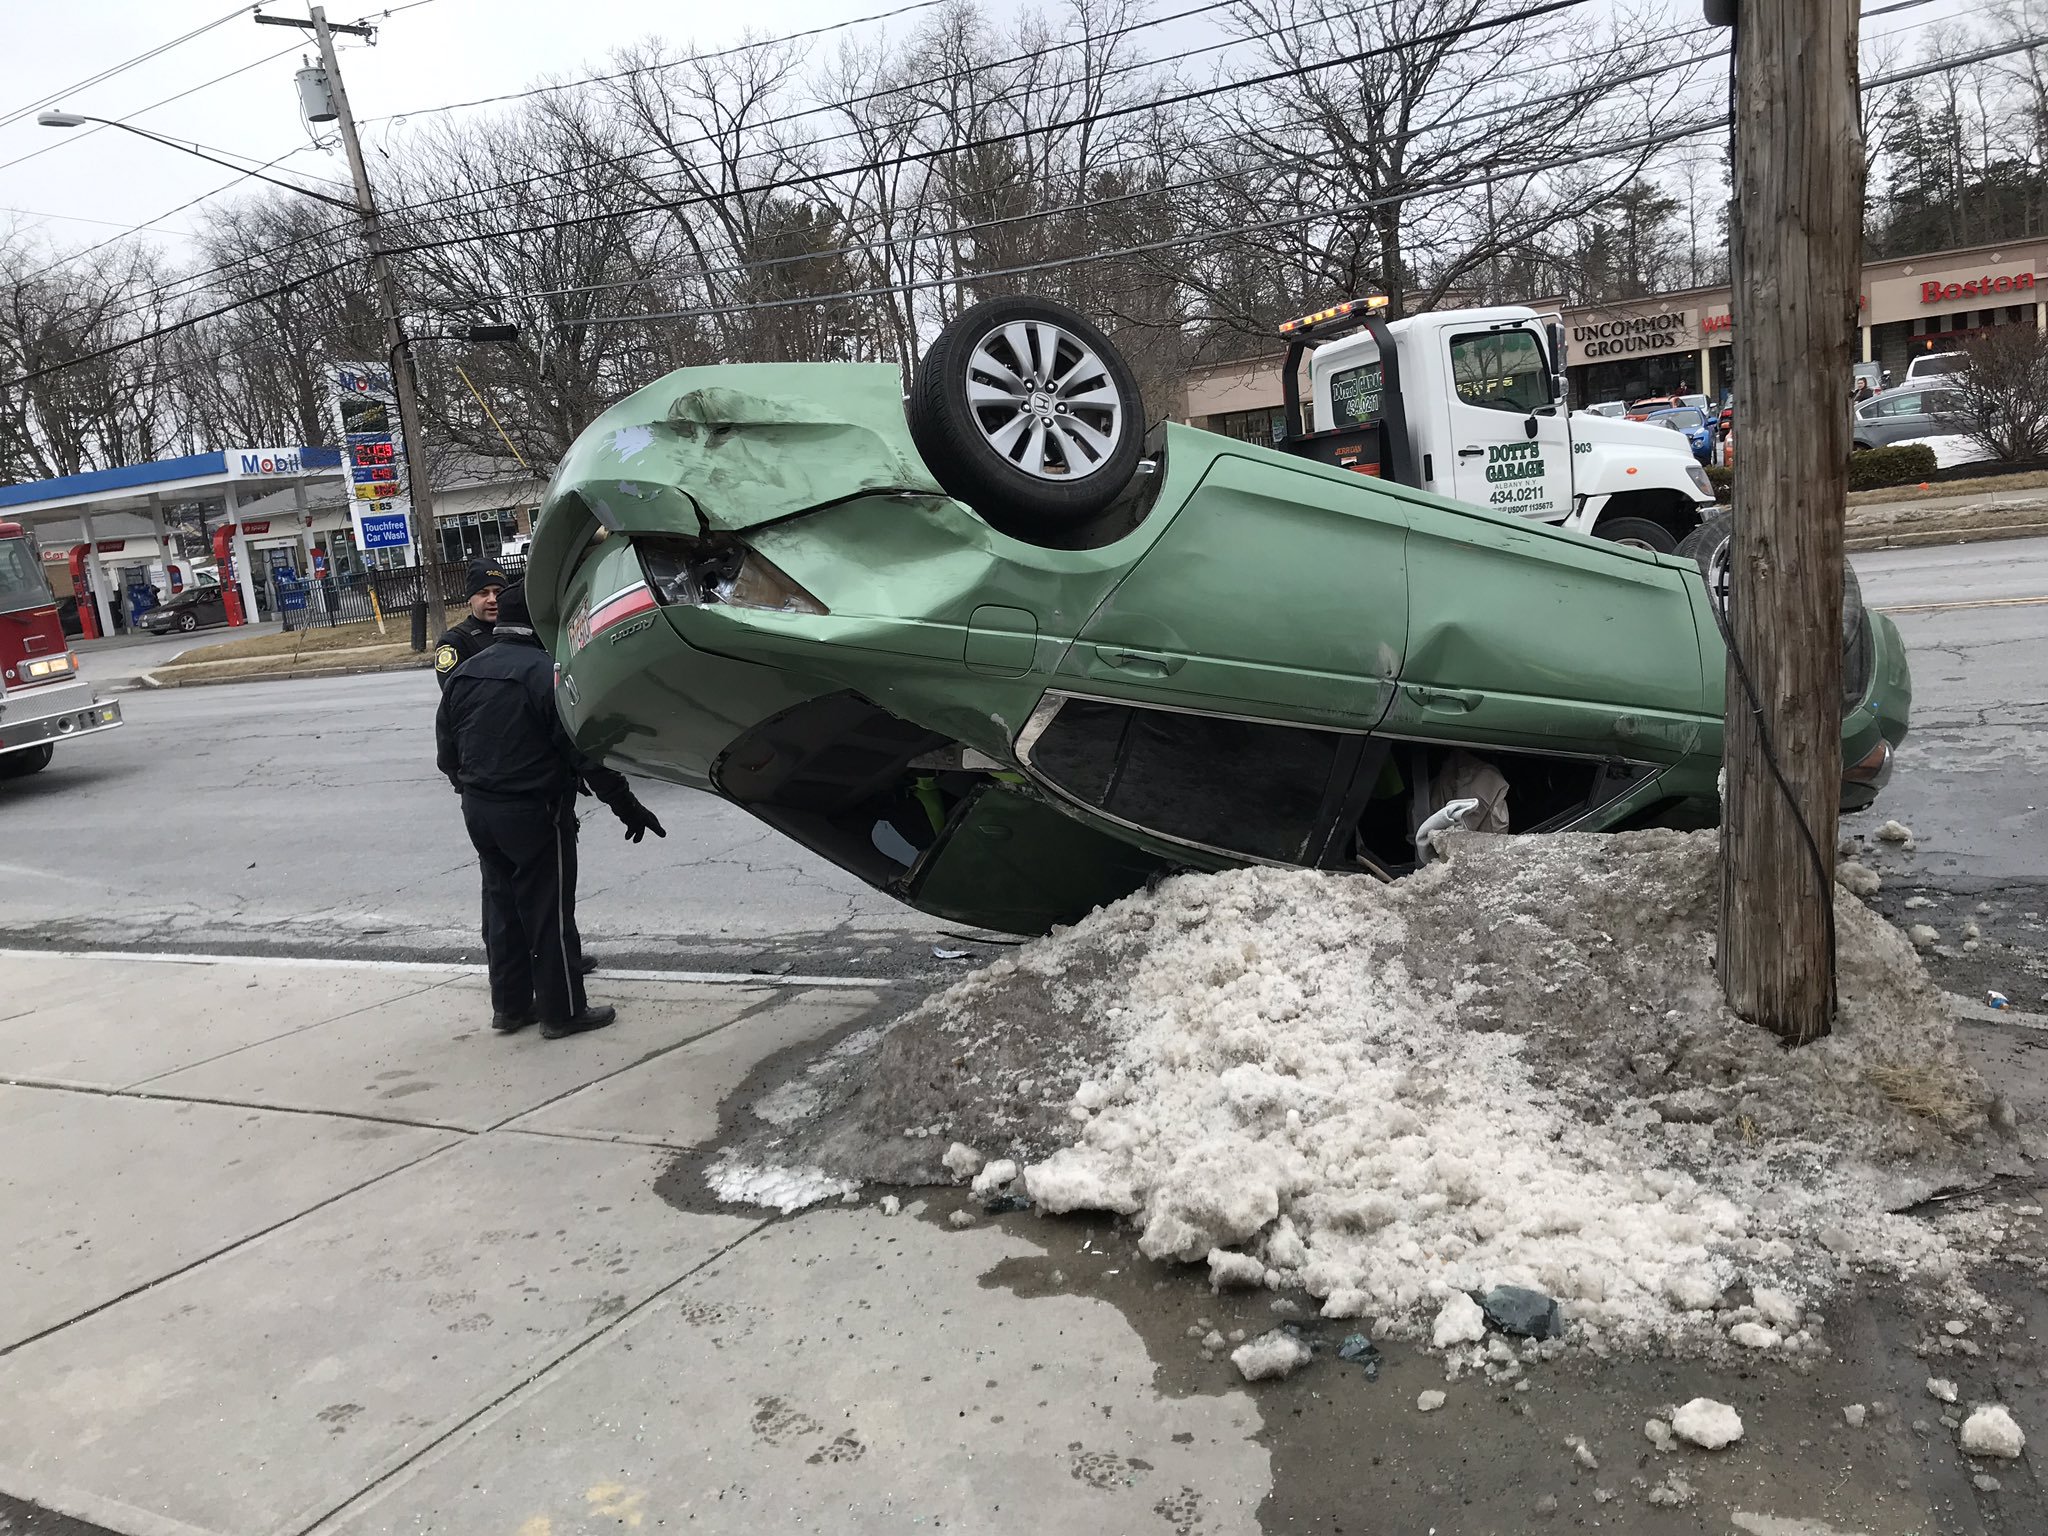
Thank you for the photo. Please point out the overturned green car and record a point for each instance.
(1005, 656)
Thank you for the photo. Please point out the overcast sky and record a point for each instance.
(78, 186)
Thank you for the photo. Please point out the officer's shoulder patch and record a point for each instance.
(445, 659)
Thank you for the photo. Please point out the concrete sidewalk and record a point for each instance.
(295, 1247)
(291, 1247)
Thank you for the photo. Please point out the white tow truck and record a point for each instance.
(1470, 404)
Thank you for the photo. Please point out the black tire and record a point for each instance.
(188, 622)
(1708, 544)
(19, 765)
(1088, 446)
(1639, 532)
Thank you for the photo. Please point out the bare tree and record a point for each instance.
(2002, 396)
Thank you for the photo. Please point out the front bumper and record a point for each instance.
(31, 717)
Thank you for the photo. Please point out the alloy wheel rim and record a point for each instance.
(1044, 400)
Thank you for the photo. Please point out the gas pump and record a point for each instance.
(81, 587)
(224, 562)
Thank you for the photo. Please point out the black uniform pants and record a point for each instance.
(528, 852)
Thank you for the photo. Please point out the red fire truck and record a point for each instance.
(42, 698)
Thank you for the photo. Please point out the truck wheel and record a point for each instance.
(1023, 409)
(19, 765)
(1637, 533)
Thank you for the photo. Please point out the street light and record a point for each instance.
(55, 119)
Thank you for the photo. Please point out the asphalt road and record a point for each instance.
(306, 818)
(1972, 779)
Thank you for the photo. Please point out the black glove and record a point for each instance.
(638, 820)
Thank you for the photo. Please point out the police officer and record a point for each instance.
(461, 641)
(500, 742)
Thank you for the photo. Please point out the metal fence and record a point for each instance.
(356, 597)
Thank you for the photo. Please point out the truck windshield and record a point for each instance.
(1500, 371)
(21, 577)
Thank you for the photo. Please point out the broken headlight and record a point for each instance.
(703, 573)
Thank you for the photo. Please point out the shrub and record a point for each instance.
(1900, 464)
(1722, 478)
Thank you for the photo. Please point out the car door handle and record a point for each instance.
(1470, 453)
(1446, 701)
(1139, 663)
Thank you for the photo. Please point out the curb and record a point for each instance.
(158, 680)
(1981, 1013)
(1868, 542)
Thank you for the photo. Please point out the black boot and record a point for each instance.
(510, 1023)
(596, 1016)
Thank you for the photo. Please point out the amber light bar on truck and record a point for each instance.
(1336, 312)
(49, 667)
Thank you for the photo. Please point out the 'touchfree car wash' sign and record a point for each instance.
(373, 451)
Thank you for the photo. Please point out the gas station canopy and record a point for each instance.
(105, 505)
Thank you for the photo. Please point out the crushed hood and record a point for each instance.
(737, 446)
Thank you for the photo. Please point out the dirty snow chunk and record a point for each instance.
(1707, 1424)
(1923, 937)
(1227, 1268)
(1090, 1096)
(1674, 1492)
(891, 1205)
(961, 1160)
(1658, 1433)
(782, 1189)
(1854, 1414)
(961, 1218)
(1067, 1181)
(994, 1176)
(1345, 1301)
(1955, 1327)
(1755, 1336)
(1429, 1401)
(1459, 1321)
(1271, 1356)
(1990, 1431)
(1858, 879)
(1941, 1387)
(1692, 1290)
(1582, 1453)
(1894, 832)
(1213, 1341)
(1780, 1309)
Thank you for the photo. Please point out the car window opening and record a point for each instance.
(869, 791)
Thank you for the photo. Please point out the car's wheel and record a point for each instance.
(1709, 544)
(1023, 409)
(1637, 533)
(188, 622)
(19, 765)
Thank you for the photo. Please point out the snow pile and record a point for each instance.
(1707, 1424)
(1990, 1431)
(1514, 1068)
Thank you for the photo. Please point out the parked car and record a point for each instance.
(1907, 414)
(1699, 403)
(1691, 421)
(1608, 408)
(922, 638)
(1640, 410)
(193, 608)
(1935, 365)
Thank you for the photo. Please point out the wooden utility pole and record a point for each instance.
(419, 482)
(1796, 263)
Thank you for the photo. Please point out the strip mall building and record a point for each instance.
(1679, 343)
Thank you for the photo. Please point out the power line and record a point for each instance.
(1545, 8)
(1208, 5)
(180, 96)
(18, 113)
(692, 58)
(920, 237)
